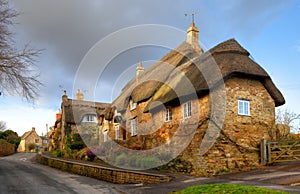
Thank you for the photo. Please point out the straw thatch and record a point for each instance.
(74, 110)
(184, 72)
(227, 60)
(142, 88)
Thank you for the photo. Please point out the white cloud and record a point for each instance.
(21, 118)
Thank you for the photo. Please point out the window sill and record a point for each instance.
(244, 115)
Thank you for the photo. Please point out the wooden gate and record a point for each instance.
(272, 152)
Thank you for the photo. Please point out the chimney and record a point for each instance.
(139, 69)
(58, 114)
(33, 129)
(64, 97)
(79, 95)
(193, 37)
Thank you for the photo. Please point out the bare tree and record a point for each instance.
(3, 126)
(18, 73)
(287, 117)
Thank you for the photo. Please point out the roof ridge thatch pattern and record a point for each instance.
(160, 80)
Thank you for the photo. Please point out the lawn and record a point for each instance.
(227, 188)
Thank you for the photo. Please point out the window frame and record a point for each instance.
(105, 136)
(89, 118)
(132, 105)
(117, 132)
(133, 127)
(187, 109)
(168, 114)
(243, 107)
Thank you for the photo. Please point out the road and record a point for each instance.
(20, 174)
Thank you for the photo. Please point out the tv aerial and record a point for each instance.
(192, 14)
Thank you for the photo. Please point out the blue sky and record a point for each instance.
(268, 29)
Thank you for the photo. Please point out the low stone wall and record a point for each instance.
(118, 176)
(6, 148)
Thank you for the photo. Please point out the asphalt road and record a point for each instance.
(19, 174)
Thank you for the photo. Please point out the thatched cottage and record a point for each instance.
(209, 109)
(75, 113)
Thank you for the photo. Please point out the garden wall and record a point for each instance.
(118, 176)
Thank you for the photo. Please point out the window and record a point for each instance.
(132, 105)
(133, 127)
(89, 119)
(117, 129)
(187, 109)
(244, 107)
(37, 140)
(168, 115)
(105, 136)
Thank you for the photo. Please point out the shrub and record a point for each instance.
(31, 146)
(90, 154)
(60, 153)
(76, 145)
(132, 161)
(149, 162)
(121, 159)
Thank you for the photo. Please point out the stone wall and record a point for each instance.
(6, 148)
(118, 176)
(237, 147)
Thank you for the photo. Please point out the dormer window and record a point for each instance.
(90, 118)
(132, 105)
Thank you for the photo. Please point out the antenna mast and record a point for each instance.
(192, 15)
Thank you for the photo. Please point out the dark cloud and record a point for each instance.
(68, 29)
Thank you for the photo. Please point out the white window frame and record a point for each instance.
(105, 136)
(117, 131)
(133, 127)
(132, 105)
(187, 110)
(168, 114)
(89, 118)
(244, 107)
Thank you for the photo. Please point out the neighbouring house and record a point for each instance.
(78, 119)
(213, 108)
(30, 138)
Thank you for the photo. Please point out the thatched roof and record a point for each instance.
(148, 82)
(76, 109)
(195, 73)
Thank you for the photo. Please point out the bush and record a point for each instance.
(121, 159)
(132, 161)
(76, 145)
(60, 153)
(90, 154)
(149, 162)
(31, 146)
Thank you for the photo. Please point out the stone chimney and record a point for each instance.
(33, 129)
(64, 97)
(79, 95)
(139, 69)
(193, 37)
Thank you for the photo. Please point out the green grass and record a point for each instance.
(227, 189)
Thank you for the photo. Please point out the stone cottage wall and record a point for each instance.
(238, 144)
